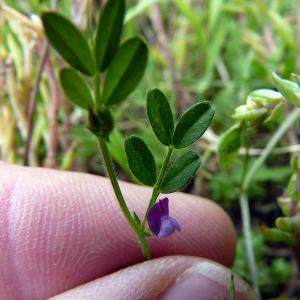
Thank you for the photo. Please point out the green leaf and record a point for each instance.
(193, 124)
(75, 88)
(181, 172)
(141, 161)
(244, 113)
(214, 12)
(295, 163)
(125, 71)
(276, 235)
(108, 33)
(292, 189)
(288, 89)
(262, 97)
(160, 116)
(229, 145)
(276, 113)
(68, 41)
(288, 224)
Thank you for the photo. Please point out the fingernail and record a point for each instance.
(206, 281)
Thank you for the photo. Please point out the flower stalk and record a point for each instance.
(156, 188)
(116, 187)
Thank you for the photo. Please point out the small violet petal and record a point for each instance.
(168, 226)
(159, 221)
(176, 224)
(164, 205)
(154, 218)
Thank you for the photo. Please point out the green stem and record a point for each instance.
(156, 188)
(232, 287)
(246, 224)
(97, 91)
(135, 227)
(244, 203)
(113, 179)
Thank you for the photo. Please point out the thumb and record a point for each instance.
(172, 277)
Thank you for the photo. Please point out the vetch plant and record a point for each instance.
(111, 69)
(202, 33)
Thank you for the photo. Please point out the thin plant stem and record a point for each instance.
(113, 179)
(246, 224)
(156, 188)
(244, 203)
(232, 287)
(97, 91)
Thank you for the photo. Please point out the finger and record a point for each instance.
(173, 277)
(62, 229)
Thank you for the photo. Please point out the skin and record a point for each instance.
(65, 230)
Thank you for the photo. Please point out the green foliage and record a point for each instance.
(110, 25)
(125, 70)
(181, 172)
(124, 63)
(260, 104)
(295, 164)
(160, 116)
(192, 124)
(276, 114)
(288, 224)
(69, 42)
(288, 89)
(277, 235)
(141, 161)
(75, 88)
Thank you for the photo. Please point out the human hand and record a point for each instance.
(65, 230)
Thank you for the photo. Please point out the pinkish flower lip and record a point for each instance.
(159, 221)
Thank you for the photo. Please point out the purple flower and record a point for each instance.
(159, 221)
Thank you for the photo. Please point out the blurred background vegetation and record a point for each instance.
(218, 50)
